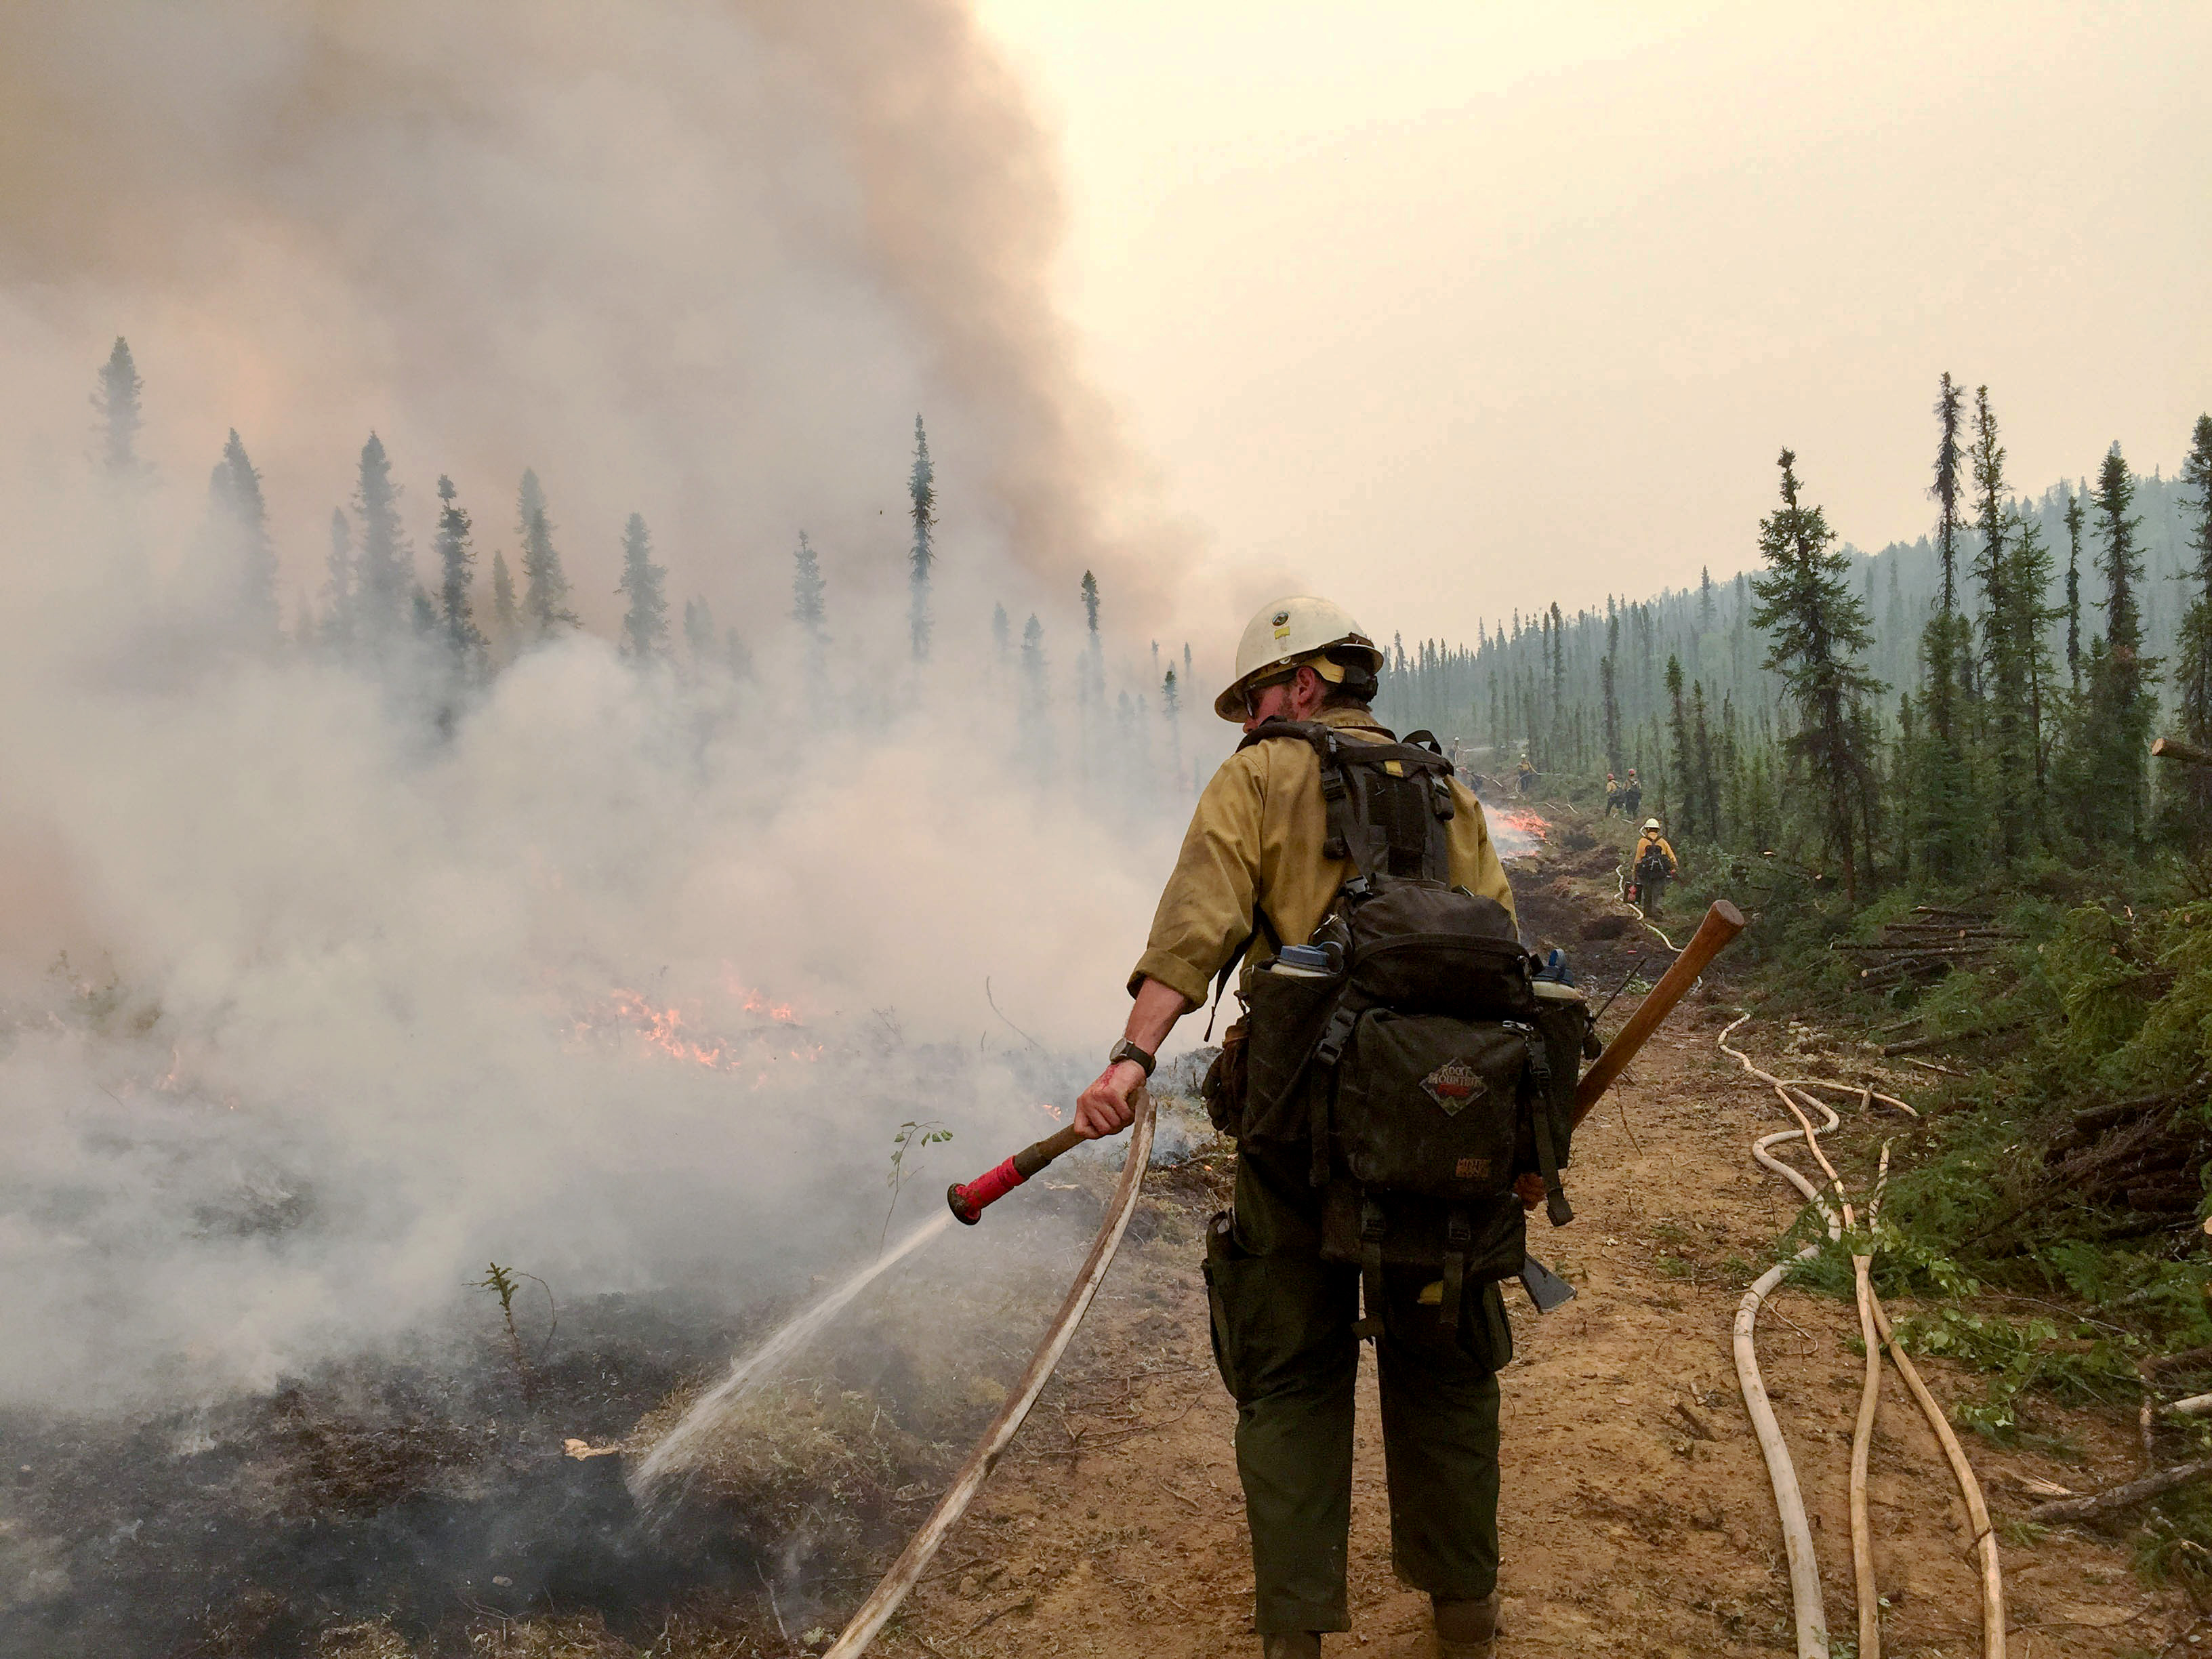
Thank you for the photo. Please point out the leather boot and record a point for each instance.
(1297, 1645)
(1467, 1629)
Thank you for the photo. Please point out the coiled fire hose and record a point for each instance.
(1874, 1327)
(883, 1602)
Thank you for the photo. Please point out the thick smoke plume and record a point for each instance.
(698, 261)
(331, 974)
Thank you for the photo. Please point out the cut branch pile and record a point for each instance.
(1934, 942)
(2147, 1153)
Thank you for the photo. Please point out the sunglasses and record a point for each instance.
(1252, 692)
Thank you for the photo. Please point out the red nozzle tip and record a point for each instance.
(965, 1210)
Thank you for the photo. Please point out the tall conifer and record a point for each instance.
(2114, 809)
(384, 561)
(545, 584)
(645, 623)
(456, 575)
(240, 521)
(1945, 814)
(1819, 629)
(116, 400)
(921, 487)
(2193, 670)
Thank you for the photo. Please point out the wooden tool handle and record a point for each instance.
(1723, 922)
(1038, 1153)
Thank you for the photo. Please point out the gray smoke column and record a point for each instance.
(617, 975)
(696, 260)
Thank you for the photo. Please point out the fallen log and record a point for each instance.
(2092, 1118)
(1907, 968)
(2116, 1498)
(1914, 1045)
(1958, 948)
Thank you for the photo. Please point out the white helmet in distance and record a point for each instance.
(1286, 632)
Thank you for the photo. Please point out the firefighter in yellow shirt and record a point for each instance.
(1256, 876)
(1654, 866)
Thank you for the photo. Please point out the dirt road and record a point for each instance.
(1637, 1516)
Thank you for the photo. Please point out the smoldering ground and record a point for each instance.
(337, 963)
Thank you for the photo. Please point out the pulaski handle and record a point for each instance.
(968, 1199)
(1722, 923)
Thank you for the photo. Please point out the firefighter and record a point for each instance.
(1654, 866)
(1632, 796)
(1524, 776)
(1253, 867)
(1612, 794)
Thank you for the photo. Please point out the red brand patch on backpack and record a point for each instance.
(1453, 1085)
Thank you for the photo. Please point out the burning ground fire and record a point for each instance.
(670, 1031)
(1516, 831)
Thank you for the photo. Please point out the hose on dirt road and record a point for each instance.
(883, 1602)
(1805, 1592)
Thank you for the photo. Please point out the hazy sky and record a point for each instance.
(1450, 307)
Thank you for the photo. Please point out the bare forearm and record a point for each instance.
(1153, 1014)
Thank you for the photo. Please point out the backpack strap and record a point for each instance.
(1373, 1224)
(1262, 923)
(1459, 1241)
(1386, 803)
(1556, 1207)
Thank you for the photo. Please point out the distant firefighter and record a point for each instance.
(1655, 866)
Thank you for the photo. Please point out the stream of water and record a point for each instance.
(676, 1449)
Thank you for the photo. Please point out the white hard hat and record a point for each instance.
(1286, 631)
(1650, 824)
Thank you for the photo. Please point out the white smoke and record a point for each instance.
(313, 997)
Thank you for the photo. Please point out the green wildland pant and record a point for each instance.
(1282, 1338)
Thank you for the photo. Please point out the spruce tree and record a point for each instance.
(505, 615)
(1819, 629)
(2122, 705)
(456, 575)
(116, 399)
(1680, 763)
(645, 625)
(1001, 632)
(921, 487)
(241, 519)
(2193, 668)
(2010, 622)
(807, 589)
(2029, 628)
(340, 582)
(1945, 814)
(385, 563)
(544, 586)
(735, 656)
(2074, 588)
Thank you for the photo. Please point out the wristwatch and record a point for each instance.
(1126, 1049)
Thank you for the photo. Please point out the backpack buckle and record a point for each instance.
(1338, 1032)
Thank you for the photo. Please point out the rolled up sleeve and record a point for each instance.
(1205, 910)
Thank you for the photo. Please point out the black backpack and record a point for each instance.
(1421, 1065)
